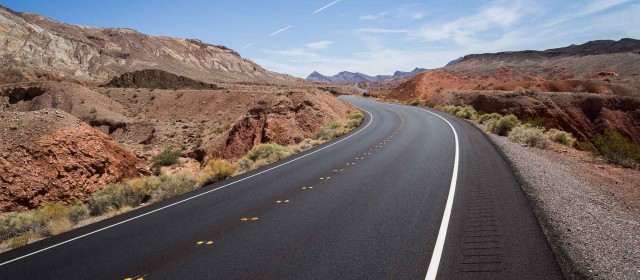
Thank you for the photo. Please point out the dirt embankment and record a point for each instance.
(562, 104)
(49, 155)
(157, 79)
(582, 114)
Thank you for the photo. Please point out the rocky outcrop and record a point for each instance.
(153, 78)
(582, 114)
(49, 155)
(71, 52)
(285, 120)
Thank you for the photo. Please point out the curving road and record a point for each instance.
(385, 201)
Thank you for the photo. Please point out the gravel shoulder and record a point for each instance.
(589, 210)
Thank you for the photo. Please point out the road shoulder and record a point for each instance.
(590, 225)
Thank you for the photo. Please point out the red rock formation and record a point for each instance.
(50, 155)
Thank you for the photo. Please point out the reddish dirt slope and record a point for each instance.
(560, 103)
(50, 155)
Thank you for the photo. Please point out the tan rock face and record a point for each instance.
(50, 155)
(97, 54)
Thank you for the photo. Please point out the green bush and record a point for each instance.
(617, 149)
(356, 116)
(416, 102)
(138, 191)
(467, 113)
(332, 130)
(216, 170)
(270, 152)
(482, 119)
(222, 128)
(503, 125)
(112, 197)
(173, 185)
(530, 136)
(166, 158)
(50, 212)
(16, 224)
(562, 137)
(78, 211)
(18, 241)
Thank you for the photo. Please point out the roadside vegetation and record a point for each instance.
(611, 145)
(17, 229)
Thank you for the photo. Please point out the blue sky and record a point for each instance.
(373, 36)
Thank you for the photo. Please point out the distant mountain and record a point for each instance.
(350, 77)
(622, 57)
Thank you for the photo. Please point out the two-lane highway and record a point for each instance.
(369, 205)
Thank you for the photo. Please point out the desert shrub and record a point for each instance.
(482, 119)
(527, 91)
(587, 146)
(562, 137)
(617, 149)
(416, 102)
(535, 122)
(216, 170)
(356, 115)
(53, 218)
(16, 224)
(18, 241)
(244, 164)
(270, 152)
(112, 197)
(173, 185)
(50, 212)
(58, 226)
(450, 109)
(331, 130)
(78, 211)
(166, 158)
(222, 128)
(503, 125)
(466, 113)
(530, 136)
(431, 104)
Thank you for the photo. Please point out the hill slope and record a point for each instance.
(35, 47)
(575, 61)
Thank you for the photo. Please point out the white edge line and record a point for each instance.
(432, 271)
(195, 196)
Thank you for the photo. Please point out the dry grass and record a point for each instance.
(561, 137)
(530, 136)
(216, 170)
(59, 226)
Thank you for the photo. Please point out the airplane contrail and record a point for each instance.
(280, 31)
(326, 6)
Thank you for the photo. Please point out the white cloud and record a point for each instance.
(497, 26)
(411, 11)
(498, 14)
(326, 6)
(280, 31)
(292, 53)
(320, 45)
(385, 61)
(374, 16)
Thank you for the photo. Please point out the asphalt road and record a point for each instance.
(369, 205)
